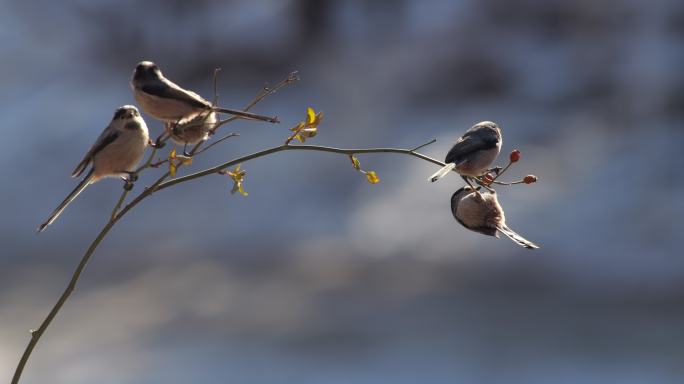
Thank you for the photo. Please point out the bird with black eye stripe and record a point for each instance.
(164, 100)
(473, 153)
(116, 153)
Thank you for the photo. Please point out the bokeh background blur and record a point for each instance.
(318, 276)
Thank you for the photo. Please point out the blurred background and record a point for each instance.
(318, 276)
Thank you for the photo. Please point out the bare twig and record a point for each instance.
(295, 131)
(263, 93)
(125, 192)
(502, 171)
(226, 137)
(147, 162)
(424, 145)
(159, 163)
(216, 95)
(509, 184)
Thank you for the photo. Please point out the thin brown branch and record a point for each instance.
(295, 131)
(502, 171)
(281, 148)
(216, 94)
(226, 137)
(159, 163)
(122, 198)
(424, 145)
(263, 93)
(508, 184)
(38, 333)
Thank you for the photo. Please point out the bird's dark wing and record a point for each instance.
(483, 230)
(469, 143)
(169, 90)
(454, 210)
(107, 137)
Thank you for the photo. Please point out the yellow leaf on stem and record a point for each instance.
(372, 177)
(172, 168)
(310, 116)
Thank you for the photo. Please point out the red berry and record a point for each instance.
(529, 179)
(515, 156)
(487, 179)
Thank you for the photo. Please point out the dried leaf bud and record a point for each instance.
(355, 162)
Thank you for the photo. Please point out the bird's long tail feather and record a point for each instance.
(442, 172)
(247, 115)
(73, 195)
(523, 242)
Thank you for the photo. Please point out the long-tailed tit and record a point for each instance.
(166, 101)
(115, 153)
(193, 131)
(481, 212)
(473, 153)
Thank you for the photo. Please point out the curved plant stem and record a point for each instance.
(281, 148)
(163, 183)
(36, 334)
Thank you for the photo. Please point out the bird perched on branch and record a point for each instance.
(473, 153)
(115, 153)
(481, 212)
(166, 101)
(193, 131)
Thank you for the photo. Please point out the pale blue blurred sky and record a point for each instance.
(318, 276)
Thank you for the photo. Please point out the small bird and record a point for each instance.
(193, 131)
(481, 212)
(166, 101)
(473, 153)
(115, 153)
